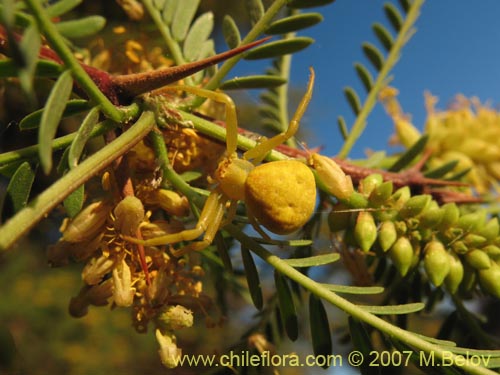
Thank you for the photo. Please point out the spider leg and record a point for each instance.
(209, 222)
(259, 152)
(231, 119)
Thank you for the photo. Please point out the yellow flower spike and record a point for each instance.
(88, 223)
(335, 180)
(436, 262)
(96, 268)
(129, 213)
(123, 292)
(170, 201)
(169, 352)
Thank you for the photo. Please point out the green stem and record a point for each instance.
(353, 310)
(39, 207)
(57, 144)
(169, 173)
(403, 36)
(83, 79)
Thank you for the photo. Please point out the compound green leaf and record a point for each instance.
(231, 32)
(253, 82)
(361, 342)
(73, 107)
(364, 75)
(294, 23)
(253, 279)
(353, 100)
(51, 116)
(82, 136)
(442, 170)
(167, 8)
(286, 307)
(394, 309)
(348, 289)
(61, 7)
(279, 48)
(342, 127)
(73, 203)
(317, 260)
(197, 35)
(374, 55)
(393, 16)
(383, 36)
(320, 328)
(82, 27)
(410, 154)
(300, 4)
(255, 10)
(29, 47)
(19, 187)
(183, 16)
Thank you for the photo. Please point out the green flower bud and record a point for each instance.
(387, 235)
(436, 262)
(371, 182)
(490, 230)
(335, 180)
(400, 196)
(492, 251)
(415, 205)
(456, 274)
(365, 231)
(401, 227)
(469, 279)
(451, 213)
(474, 240)
(459, 247)
(401, 254)
(472, 222)
(357, 200)
(478, 259)
(381, 194)
(339, 218)
(490, 280)
(431, 217)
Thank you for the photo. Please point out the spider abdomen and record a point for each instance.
(281, 195)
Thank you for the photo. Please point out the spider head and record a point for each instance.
(231, 174)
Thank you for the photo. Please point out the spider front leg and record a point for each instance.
(259, 152)
(208, 223)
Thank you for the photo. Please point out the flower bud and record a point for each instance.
(401, 254)
(469, 280)
(490, 230)
(492, 251)
(472, 222)
(415, 205)
(365, 231)
(335, 180)
(436, 262)
(129, 214)
(387, 235)
(490, 279)
(369, 183)
(456, 274)
(431, 217)
(478, 259)
(459, 247)
(474, 240)
(400, 196)
(451, 214)
(381, 194)
(88, 223)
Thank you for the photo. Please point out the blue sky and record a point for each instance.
(456, 50)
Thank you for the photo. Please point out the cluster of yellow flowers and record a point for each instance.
(467, 132)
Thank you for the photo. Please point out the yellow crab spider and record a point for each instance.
(279, 195)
